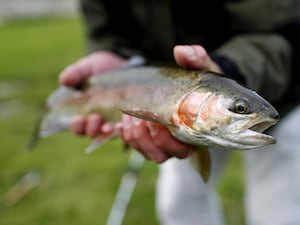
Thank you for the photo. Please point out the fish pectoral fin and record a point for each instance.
(149, 116)
(201, 161)
(99, 140)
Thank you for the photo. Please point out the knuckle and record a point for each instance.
(163, 139)
(160, 159)
(93, 125)
(126, 137)
(78, 125)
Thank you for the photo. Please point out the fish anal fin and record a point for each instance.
(149, 116)
(201, 161)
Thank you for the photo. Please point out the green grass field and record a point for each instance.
(73, 188)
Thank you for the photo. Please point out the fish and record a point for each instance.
(201, 108)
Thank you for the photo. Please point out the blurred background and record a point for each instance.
(58, 183)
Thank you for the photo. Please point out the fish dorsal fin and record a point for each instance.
(150, 116)
(201, 161)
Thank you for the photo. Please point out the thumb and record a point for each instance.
(194, 57)
(95, 63)
(75, 73)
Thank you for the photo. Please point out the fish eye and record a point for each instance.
(241, 107)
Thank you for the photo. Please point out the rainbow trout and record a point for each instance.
(200, 108)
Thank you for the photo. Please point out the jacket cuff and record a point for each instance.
(229, 69)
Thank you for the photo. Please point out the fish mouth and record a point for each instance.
(251, 136)
(256, 131)
(261, 126)
(240, 135)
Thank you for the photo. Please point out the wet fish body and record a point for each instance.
(198, 107)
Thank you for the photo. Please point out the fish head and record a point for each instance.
(222, 113)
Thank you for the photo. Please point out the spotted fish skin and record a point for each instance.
(200, 108)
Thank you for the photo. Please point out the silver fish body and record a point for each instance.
(198, 107)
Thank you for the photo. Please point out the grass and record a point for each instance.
(34, 48)
(74, 188)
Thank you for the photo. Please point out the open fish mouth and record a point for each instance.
(256, 132)
(246, 138)
(261, 126)
(252, 136)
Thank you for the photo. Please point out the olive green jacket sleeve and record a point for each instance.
(264, 60)
(262, 56)
(104, 31)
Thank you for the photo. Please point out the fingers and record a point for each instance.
(165, 141)
(136, 134)
(92, 64)
(78, 125)
(194, 57)
(92, 125)
(152, 140)
(74, 74)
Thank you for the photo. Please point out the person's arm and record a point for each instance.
(264, 61)
(262, 55)
(110, 38)
(110, 27)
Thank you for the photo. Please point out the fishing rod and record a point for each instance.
(125, 190)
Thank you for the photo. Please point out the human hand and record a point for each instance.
(154, 141)
(76, 73)
(95, 63)
(194, 57)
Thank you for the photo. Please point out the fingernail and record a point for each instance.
(188, 51)
(136, 121)
(107, 128)
(160, 158)
(152, 129)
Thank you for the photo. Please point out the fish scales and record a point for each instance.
(200, 108)
(151, 89)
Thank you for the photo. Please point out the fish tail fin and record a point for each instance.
(54, 116)
(201, 161)
(49, 122)
(35, 137)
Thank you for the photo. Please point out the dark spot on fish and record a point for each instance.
(176, 72)
(213, 128)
